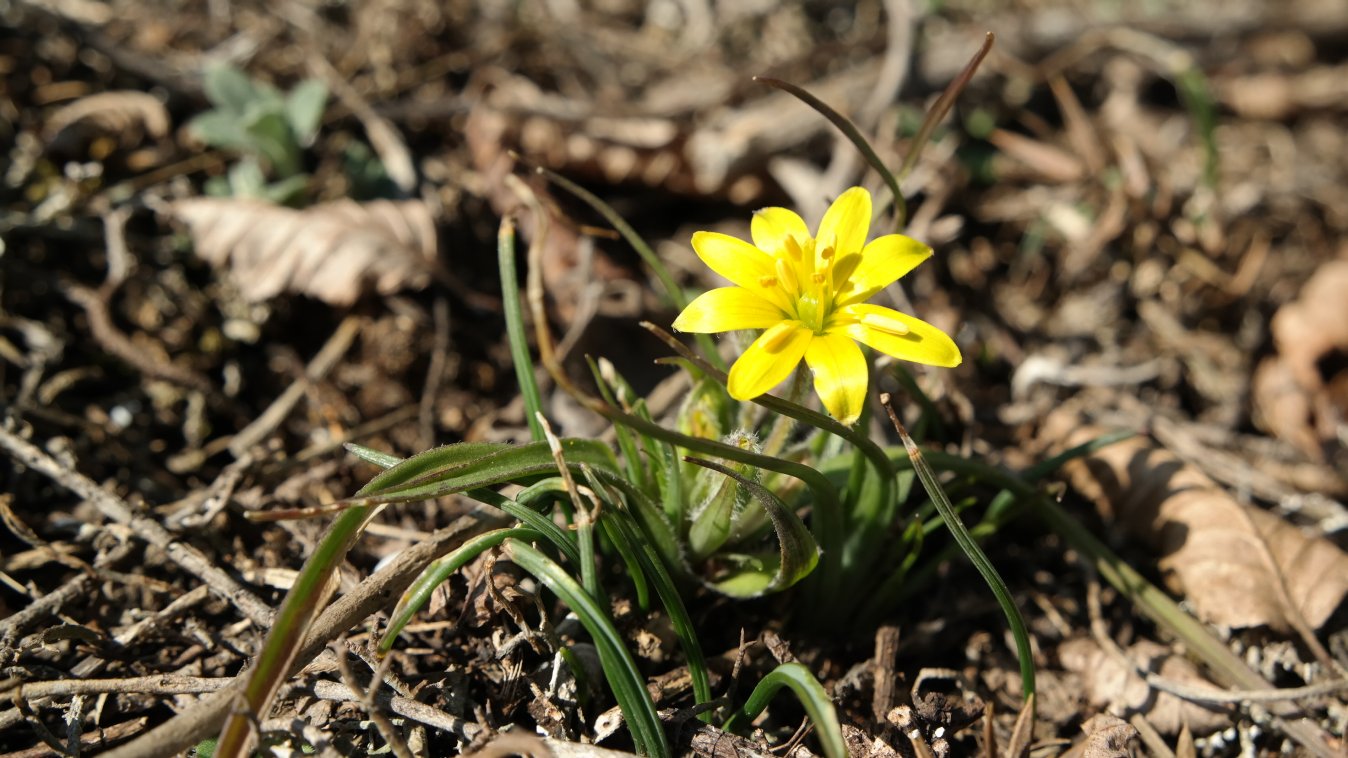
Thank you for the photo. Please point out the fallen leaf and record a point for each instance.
(126, 116)
(1107, 737)
(1213, 550)
(1311, 337)
(1108, 683)
(333, 251)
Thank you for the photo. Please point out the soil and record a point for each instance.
(1140, 218)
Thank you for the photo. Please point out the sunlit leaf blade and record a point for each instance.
(514, 315)
(470, 465)
(852, 133)
(370, 455)
(629, 687)
(976, 556)
(798, 552)
(813, 697)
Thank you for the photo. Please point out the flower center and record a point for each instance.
(805, 274)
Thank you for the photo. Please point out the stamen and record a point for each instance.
(818, 277)
(887, 324)
(826, 253)
(767, 282)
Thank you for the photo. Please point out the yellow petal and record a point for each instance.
(880, 264)
(726, 309)
(840, 375)
(772, 358)
(845, 223)
(735, 259)
(883, 329)
(742, 264)
(771, 227)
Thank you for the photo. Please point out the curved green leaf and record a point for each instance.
(470, 465)
(798, 553)
(818, 705)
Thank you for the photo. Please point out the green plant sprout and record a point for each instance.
(270, 130)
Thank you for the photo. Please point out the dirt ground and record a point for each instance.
(1140, 216)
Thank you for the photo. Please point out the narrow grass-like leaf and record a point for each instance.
(657, 570)
(827, 520)
(631, 453)
(588, 563)
(619, 539)
(515, 335)
(453, 468)
(419, 592)
(1196, 94)
(972, 550)
(798, 552)
(943, 104)
(629, 687)
(370, 455)
(298, 611)
(818, 705)
(853, 134)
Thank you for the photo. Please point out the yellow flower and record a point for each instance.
(809, 296)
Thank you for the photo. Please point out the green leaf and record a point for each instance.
(370, 455)
(288, 191)
(220, 129)
(798, 552)
(273, 140)
(514, 314)
(229, 89)
(471, 465)
(620, 669)
(818, 705)
(304, 109)
(246, 179)
(976, 556)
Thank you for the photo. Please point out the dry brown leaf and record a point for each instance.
(1108, 682)
(1107, 737)
(124, 115)
(1214, 551)
(1309, 333)
(333, 251)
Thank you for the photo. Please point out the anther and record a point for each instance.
(886, 324)
(826, 253)
(818, 277)
(767, 281)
